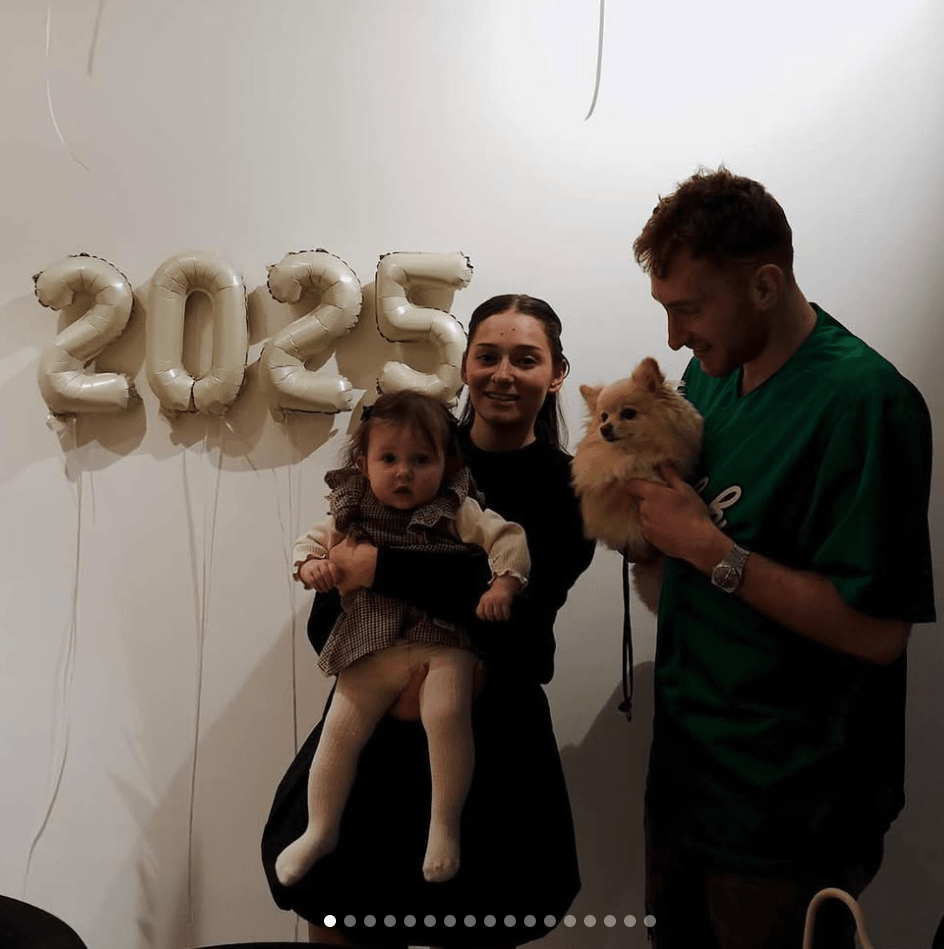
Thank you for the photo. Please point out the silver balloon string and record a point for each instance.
(596, 85)
(65, 666)
(289, 531)
(52, 111)
(95, 30)
(287, 536)
(201, 604)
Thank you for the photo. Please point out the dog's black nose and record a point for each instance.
(607, 432)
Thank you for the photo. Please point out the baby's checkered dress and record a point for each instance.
(369, 621)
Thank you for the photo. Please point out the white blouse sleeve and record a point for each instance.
(503, 541)
(314, 545)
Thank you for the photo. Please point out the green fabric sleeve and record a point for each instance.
(868, 515)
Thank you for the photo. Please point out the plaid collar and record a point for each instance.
(352, 500)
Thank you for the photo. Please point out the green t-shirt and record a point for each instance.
(771, 752)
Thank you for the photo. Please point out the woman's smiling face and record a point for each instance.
(509, 370)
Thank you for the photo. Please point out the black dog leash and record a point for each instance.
(626, 706)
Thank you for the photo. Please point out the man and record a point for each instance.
(797, 564)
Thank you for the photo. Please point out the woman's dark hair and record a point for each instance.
(425, 415)
(549, 426)
(725, 218)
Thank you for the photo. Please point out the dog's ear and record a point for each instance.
(648, 375)
(590, 395)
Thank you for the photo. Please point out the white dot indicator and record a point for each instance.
(430, 920)
(409, 920)
(330, 921)
(590, 921)
(509, 920)
(390, 920)
(649, 921)
(370, 920)
(630, 921)
(489, 920)
(469, 921)
(570, 920)
(529, 921)
(550, 921)
(609, 921)
(450, 920)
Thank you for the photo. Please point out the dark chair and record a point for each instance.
(938, 942)
(23, 926)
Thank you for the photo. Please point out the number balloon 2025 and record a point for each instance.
(69, 388)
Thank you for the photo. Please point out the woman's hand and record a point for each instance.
(356, 562)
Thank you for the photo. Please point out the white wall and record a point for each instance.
(366, 127)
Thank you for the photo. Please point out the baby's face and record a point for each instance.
(404, 471)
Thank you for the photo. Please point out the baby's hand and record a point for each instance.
(320, 575)
(495, 602)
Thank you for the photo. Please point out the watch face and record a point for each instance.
(725, 577)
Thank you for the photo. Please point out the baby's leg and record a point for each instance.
(364, 692)
(446, 710)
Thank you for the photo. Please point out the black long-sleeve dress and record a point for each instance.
(518, 856)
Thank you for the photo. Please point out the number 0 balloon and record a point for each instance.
(173, 282)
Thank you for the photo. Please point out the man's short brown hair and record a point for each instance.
(725, 218)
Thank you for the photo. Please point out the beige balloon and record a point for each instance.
(338, 291)
(400, 320)
(172, 283)
(66, 385)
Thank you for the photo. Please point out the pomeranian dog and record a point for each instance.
(635, 425)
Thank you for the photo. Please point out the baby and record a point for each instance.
(404, 485)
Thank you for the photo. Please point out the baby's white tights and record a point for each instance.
(365, 690)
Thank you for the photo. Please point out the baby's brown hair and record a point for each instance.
(425, 415)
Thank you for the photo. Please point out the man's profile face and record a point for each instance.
(710, 312)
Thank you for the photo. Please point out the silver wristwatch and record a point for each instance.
(727, 574)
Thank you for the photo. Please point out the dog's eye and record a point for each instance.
(604, 416)
(628, 413)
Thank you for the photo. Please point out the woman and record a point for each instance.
(519, 856)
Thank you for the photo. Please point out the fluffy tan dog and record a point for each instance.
(635, 425)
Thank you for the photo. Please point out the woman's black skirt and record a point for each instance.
(518, 857)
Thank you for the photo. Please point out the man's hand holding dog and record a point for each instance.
(676, 520)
